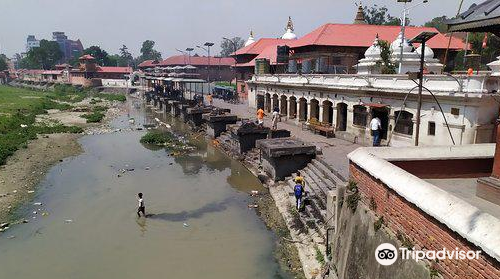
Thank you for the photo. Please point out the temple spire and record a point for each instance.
(289, 25)
(360, 15)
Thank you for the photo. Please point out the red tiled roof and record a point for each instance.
(270, 52)
(120, 70)
(180, 60)
(259, 46)
(148, 64)
(362, 35)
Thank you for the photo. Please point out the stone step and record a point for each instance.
(315, 182)
(320, 162)
(326, 180)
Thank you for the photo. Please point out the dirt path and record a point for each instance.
(28, 166)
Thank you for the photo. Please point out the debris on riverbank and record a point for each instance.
(169, 140)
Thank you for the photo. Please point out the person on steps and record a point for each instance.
(276, 116)
(298, 191)
(260, 117)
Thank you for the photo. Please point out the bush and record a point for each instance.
(94, 117)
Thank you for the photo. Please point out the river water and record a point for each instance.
(87, 226)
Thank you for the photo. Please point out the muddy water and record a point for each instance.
(200, 226)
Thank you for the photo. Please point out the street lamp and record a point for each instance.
(189, 49)
(421, 38)
(207, 49)
(403, 27)
(235, 47)
(183, 53)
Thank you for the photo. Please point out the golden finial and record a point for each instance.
(289, 25)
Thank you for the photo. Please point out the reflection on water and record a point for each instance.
(105, 239)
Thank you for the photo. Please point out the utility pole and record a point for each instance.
(421, 38)
(235, 72)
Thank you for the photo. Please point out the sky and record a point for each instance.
(183, 23)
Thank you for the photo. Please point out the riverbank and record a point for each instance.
(28, 165)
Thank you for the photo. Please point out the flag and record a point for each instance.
(485, 40)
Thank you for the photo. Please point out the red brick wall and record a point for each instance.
(424, 231)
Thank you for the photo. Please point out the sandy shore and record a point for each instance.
(28, 166)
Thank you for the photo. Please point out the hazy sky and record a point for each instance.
(182, 23)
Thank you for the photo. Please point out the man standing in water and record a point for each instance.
(141, 208)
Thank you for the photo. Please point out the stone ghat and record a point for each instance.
(275, 157)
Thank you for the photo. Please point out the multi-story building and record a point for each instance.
(31, 42)
(70, 48)
(455, 109)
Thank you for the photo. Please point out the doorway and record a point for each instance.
(383, 114)
(341, 117)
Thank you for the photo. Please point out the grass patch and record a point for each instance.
(94, 117)
(319, 256)
(378, 224)
(18, 110)
(167, 139)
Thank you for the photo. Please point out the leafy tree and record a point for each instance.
(376, 15)
(3, 63)
(148, 52)
(228, 47)
(386, 65)
(125, 57)
(43, 57)
(438, 23)
(100, 55)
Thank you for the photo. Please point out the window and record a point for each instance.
(431, 128)
(455, 111)
(404, 123)
(360, 113)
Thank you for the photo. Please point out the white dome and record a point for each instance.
(374, 50)
(396, 45)
(289, 35)
(250, 39)
(429, 53)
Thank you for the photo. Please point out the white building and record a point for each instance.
(31, 42)
(466, 112)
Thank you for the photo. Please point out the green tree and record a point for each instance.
(438, 23)
(101, 56)
(125, 57)
(228, 47)
(43, 57)
(386, 65)
(3, 63)
(376, 15)
(148, 52)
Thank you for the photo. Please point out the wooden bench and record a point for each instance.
(322, 127)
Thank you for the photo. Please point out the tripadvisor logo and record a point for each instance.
(387, 254)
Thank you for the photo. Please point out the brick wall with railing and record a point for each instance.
(423, 231)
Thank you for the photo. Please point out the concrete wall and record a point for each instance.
(115, 83)
(354, 245)
(424, 231)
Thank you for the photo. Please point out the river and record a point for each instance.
(87, 225)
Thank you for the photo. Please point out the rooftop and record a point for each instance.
(361, 35)
(484, 17)
(196, 61)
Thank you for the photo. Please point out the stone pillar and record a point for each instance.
(496, 163)
(308, 105)
(321, 118)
